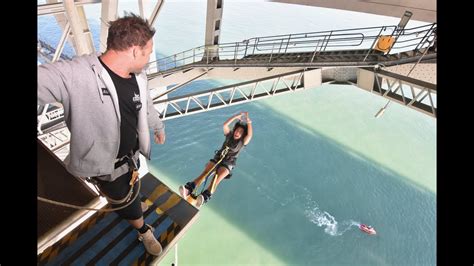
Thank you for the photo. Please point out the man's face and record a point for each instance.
(238, 133)
(142, 56)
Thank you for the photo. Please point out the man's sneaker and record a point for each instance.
(152, 245)
(144, 206)
(204, 197)
(185, 190)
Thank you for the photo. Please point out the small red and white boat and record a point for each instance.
(368, 229)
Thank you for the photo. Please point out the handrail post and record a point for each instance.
(373, 43)
(235, 54)
(287, 43)
(273, 46)
(329, 37)
(425, 38)
(246, 46)
(255, 45)
(315, 49)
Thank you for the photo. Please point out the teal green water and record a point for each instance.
(318, 165)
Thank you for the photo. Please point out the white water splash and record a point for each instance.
(311, 210)
(324, 219)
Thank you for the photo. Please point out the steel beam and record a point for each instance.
(153, 66)
(237, 93)
(108, 13)
(58, 7)
(156, 11)
(62, 41)
(414, 93)
(79, 27)
(244, 73)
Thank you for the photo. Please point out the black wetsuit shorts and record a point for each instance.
(228, 163)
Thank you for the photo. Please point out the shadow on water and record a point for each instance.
(289, 176)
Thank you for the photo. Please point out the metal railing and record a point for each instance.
(415, 39)
(56, 139)
(50, 116)
(269, 47)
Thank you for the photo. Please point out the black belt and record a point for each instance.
(121, 162)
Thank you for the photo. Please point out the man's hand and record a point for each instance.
(160, 137)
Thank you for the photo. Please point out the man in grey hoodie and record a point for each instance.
(109, 112)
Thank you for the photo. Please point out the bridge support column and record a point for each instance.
(365, 79)
(312, 78)
(213, 28)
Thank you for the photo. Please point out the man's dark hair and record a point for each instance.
(128, 31)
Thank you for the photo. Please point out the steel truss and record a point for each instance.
(416, 94)
(232, 94)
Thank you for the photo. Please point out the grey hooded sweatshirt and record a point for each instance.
(92, 114)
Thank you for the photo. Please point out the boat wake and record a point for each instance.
(326, 220)
(302, 196)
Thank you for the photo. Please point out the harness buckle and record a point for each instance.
(92, 180)
(133, 167)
